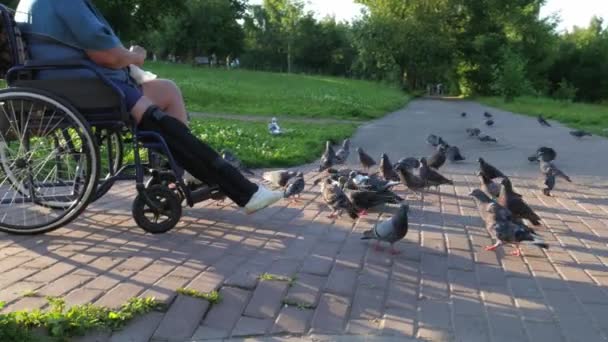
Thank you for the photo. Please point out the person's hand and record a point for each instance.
(140, 54)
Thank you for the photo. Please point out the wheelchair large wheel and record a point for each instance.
(111, 154)
(49, 162)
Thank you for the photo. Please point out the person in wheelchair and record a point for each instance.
(75, 29)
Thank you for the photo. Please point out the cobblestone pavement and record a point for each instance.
(442, 287)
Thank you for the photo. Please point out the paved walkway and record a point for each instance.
(443, 287)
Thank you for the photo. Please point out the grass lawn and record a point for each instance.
(251, 142)
(260, 93)
(590, 117)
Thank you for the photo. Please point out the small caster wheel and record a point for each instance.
(161, 213)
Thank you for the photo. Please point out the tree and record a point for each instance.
(510, 76)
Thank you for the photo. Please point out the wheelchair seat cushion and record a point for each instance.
(13, 50)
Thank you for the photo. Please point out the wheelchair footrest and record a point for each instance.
(206, 193)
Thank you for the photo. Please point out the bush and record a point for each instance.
(565, 91)
(510, 77)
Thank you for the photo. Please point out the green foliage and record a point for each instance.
(299, 305)
(212, 297)
(251, 142)
(63, 323)
(589, 117)
(565, 91)
(510, 77)
(259, 93)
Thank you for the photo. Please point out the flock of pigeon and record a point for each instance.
(354, 192)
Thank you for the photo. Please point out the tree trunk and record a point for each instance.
(289, 57)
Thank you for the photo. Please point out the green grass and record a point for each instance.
(62, 323)
(251, 142)
(212, 297)
(260, 93)
(589, 117)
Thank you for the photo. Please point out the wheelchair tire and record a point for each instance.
(167, 205)
(50, 162)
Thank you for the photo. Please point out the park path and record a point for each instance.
(443, 287)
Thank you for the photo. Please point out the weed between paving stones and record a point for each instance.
(271, 277)
(62, 323)
(212, 297)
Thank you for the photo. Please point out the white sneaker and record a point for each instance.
(262, 199)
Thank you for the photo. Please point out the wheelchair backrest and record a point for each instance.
(13, 50)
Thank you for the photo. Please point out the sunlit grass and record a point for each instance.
(589, 117)
(261, 93)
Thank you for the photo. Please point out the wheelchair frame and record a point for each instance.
(162, 194)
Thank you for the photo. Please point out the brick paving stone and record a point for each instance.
(588, 293)
(471, 329)
(165, 290)
(374, 277)
(17, 290)
(140, 329)
(436, 246)
(284, 268)
(204, 333)
(515, 267)
(399, 323)
(367, 304)
(119, 295)
(342, 281)
(534, 309)
(317, 264)
(463, 281)
(469, 304)
(524, 288)
(12, 262)
(267, 299)
(182, 319)
(108, 280)
(434, 264)
(15, 275)
(402, 296)
(490, 275)
(506, 327)
(434, 287)
(94, 336)
(63, 285)
(364, 327)
(27, 303)
(405, 270)
(306, 289)
(249, 326)
(579, 329)
(292, 320)
(329, 317)
(434, 313)
(543, 331)
(460, 260)
(598, 313)
(82, 296)
(224, 315)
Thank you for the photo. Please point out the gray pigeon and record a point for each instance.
(543, 122)
(489, 171)
(487, 138)
(580, 134)
(294, 187)
(371, 182)
(343, 152)
(548, 168)
(366, 161)
(518, 207)
(437, 160)
(487, 115)
(435, 141)
(411, 181)
(473, 132)
(548, 184)
(337, 200)
(489, 122)
(328, 159)
(410, 163)
(543, 153)
(228, 156)
(279, 178)
(387, 170)
(364, 200)
(510, 232)
(488, 186)
(463, 114)
(454, 155)
(391, 230)
(432, 177)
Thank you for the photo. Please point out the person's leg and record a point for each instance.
(168, 97)
(195, 156)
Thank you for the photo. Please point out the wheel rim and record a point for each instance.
(48, 162)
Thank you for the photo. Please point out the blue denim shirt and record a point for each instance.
(64, 29)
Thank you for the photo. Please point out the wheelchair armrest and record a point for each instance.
(58, 63)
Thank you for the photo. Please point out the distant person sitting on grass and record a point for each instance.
(75, 29)
(274, 128)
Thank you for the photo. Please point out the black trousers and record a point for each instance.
(198, 158)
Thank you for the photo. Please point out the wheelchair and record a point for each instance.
(63, 145)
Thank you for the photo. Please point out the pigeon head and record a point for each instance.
(506, 182)
(300, 174)
(423, 162)
(359, 150)
(481, 161)
(346, 144)
(480, 196)
(352, 174)
(442, 148)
